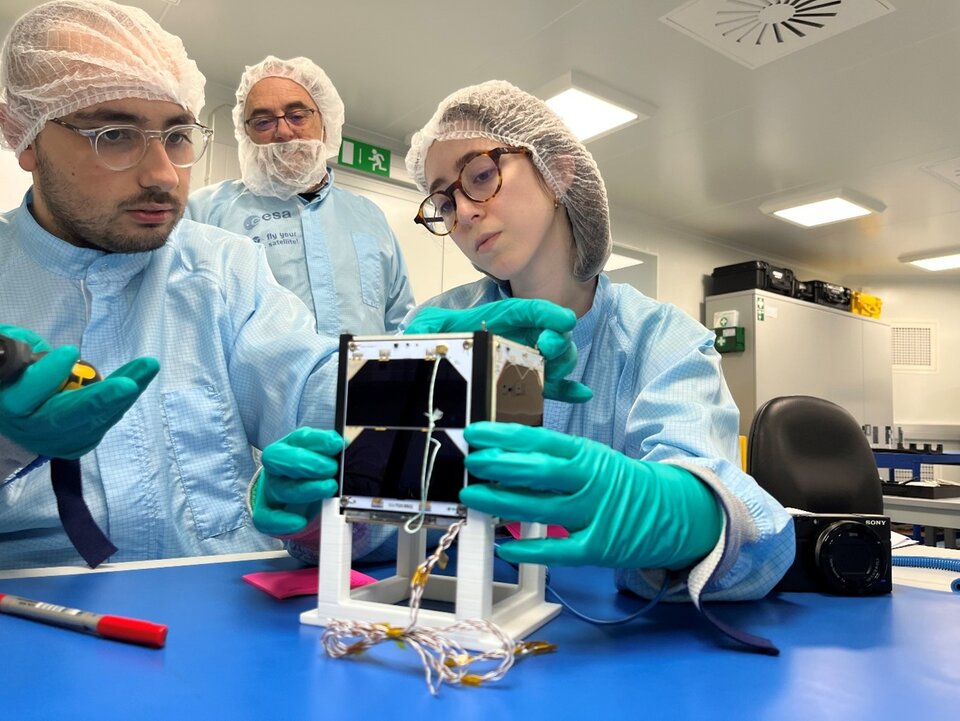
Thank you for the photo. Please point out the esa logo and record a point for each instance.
(252, 221)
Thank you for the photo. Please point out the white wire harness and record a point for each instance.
(444, 660)
(430, 449)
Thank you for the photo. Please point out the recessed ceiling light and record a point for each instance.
(591, 109)
(934, 259)
(812, 210)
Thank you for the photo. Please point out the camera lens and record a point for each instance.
(851, 558)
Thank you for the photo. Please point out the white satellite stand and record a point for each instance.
(517, 608)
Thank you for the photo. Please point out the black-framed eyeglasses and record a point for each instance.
(121, 147)
(479, 180)
(268, 123)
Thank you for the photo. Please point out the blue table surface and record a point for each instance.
(235, 653)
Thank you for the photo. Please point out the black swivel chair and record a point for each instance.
(811, 454)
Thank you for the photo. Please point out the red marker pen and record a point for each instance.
(130, 630)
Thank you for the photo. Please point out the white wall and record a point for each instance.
(14, 181)
(220, 161)
(925, 398)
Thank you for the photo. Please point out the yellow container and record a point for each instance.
(865, 304)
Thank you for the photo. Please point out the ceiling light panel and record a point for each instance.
(934, 259)
(812, 210)
(591, 109)
(589, 116)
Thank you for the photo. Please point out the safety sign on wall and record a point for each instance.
(365, 157)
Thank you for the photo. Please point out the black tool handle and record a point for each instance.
(15, 355)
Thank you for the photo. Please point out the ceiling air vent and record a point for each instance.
(756, 32)
(947, 170)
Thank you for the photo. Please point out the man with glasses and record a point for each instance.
(99, 103)
(333, 248)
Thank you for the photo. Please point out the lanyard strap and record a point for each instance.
(81, 529)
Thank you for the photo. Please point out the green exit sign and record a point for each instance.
(365, 157)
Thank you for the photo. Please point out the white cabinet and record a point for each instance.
(793, 347)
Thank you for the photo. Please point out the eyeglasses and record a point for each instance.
(268, 123)
(479, 180)
(121, 147)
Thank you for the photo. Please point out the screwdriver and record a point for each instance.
(16, 355)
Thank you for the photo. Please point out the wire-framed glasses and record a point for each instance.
(479, 180)
(121, 147)
(268, 123)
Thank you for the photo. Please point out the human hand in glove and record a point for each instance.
(36, 414)
(535, 323)
(620, 512)
(299, 472)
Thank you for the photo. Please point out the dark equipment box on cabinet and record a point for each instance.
(829, 294)
(803, 289)
(753, 274)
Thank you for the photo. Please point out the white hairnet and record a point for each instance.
(66, 55)
(502, 112)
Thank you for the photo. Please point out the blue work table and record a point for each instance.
(235, 653)
(906, 460)
(932, 513)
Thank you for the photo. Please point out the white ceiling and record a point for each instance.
(865, 109)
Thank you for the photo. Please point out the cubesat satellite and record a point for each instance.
(402, 404)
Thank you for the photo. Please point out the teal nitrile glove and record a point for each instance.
(535, 323)
(26, 335)
(35, 414)
(299, 472)
(620, 512)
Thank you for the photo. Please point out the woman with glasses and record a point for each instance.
(645, 475)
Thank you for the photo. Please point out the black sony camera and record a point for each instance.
(844, 554)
